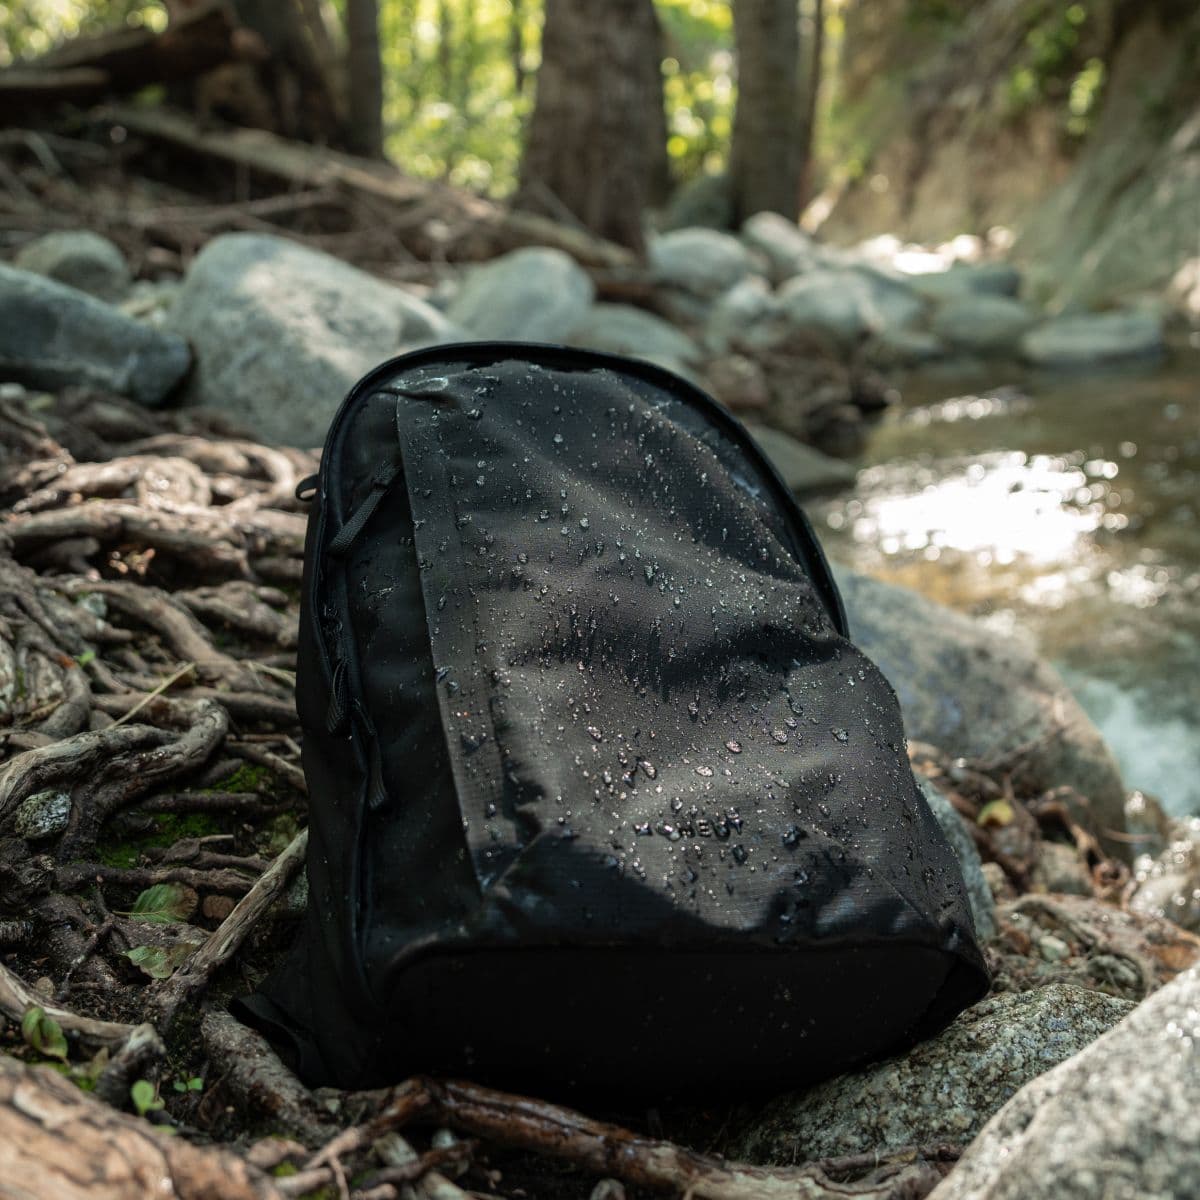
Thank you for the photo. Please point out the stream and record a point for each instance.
(1062, 508)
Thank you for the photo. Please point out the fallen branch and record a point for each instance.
(16, 999)
(468, 225)
(620, 1153)
(194, 974)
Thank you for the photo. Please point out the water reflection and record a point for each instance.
(1066, 507)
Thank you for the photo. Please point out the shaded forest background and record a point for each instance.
(926, 118)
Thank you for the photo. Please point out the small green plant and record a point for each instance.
(195, 1084)
(44, 1034)
(145, 1097)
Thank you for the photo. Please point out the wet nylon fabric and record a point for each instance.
(606, 750)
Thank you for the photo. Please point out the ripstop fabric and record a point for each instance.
(602, 796)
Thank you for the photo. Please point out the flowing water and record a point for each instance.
(1064, 506)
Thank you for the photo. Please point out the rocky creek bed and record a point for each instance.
(152, 804)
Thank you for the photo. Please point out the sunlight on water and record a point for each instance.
(1067, 509)
(995, 506)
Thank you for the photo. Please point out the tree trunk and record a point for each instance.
(595, 144)
(289, 92)
(812, 93)
(364, 92)
(516, 45)
(765, 156)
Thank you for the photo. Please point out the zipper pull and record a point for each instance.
(377, 794)
(362, 514)
(306, 489)
(335, 716)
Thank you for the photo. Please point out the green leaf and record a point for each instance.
(44, 1033)
(164, 903)
(159, 962)
(145, 1097)
(86, 657)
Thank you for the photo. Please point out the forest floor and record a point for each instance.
(152, 807)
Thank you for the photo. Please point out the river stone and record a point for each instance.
(282, 332)
(702, 261)
(904, 348)
(1095, 339)
(53, 336)
(944, 1089)
(969, 279)
(977, 694)
(983, 324)
(979, 892)
(623, 329)
(80, 259)
(535, 294)
(846, 304)
(1168, 885)
(42, 815)
(747, 316)
(1119, 1121)
(802, 468)
(785, 246)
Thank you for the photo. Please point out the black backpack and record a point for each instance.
(601, 796)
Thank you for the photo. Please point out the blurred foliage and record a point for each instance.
(31, 27)
(460, 75)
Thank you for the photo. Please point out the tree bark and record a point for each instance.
(765, 156)
(365, 79)
(596, 139)
(811, 87)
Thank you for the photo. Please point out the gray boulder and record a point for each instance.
(983, 905)
(1095, 339)
(52, 336)
(786, 247)
(748, 316)
(282, 332)
(702, 261)
(944, 1089)
(1120, 1120)
(536, 294)
(904, 348)
(982, 324)
(623, 329)
(80, 259)
(969, 279)
(977, 694)
(845, 304)
(802, 468)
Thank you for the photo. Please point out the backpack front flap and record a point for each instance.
(595, 772)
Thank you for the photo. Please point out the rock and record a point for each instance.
(904, 348)
(983, 324)
(1169, 885)
(1083, 941)
(977, 694)
(282, 332)
(1059, 869)
(623, 329)
(968, 279)
(42, 815)
(746, 317)
(1095, 339)
(705, 200)
(786, 247)
(536, 295)
(802, 468)
(846, 304)
(944, 1089)
(1121, 1120)
(704, 262)
(80, 259)
(979, 893)
(739, 382)
(52, 336)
